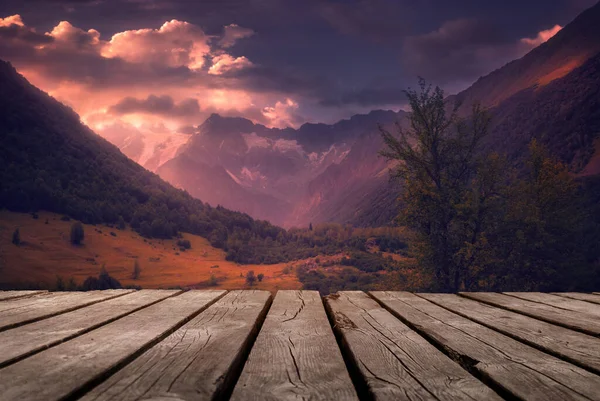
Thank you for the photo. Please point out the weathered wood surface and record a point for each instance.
(6, 295)
(580, 296)
(558, 302)
(199, 361)
(524, 372)
(578, 348)
(164, 345)
(26, 310)
(68, 368)
(295, 356)
(586, 323)
(396, 362)
(25, 340)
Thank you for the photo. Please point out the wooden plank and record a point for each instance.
(510, 366)
(395, 361)
(558, 302)
(70, 368)
(26, 310)
(580, 296)
(295, 355)
(578, 348)
(20, 342)
(6, 295)
(586, 323)
(199, 361)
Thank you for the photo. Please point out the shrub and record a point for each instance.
(212, 281)
(250, 278)
(137, 270)
(16, 237)
(260, 277)
(77, 233)
(184, 243)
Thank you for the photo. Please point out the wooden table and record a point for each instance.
(247, 345)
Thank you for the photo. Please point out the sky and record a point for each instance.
(164, 66)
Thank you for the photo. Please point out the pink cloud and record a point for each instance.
(12, 20)
(232, 33)
(224, 63)
(174, 44)
(542, 36)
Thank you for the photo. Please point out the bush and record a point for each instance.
(212, 281)
(77, 233)
(137, 270)
(184, 243)
(260, 277)
(16, 237)
(250, 278)
(103, 282)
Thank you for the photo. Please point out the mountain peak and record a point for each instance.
(561, 54)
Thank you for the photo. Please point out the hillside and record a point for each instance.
(570, 48)
(45, 253)
(52, 162)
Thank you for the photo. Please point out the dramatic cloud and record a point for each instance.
(461, 50)
(174, 44)
(283, 114)
(379, 20)
(233, 33)
(224, 63)
(112, 83)
(542, 36)
(162, 105)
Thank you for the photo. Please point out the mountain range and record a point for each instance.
(290, 177)
(332, 173)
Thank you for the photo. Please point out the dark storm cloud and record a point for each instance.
(330, 52)
(460, 50)
(163, 105)
(381, 20)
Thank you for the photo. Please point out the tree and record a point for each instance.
(77, 233)
(260, 277)
(310, 227)
(250, 278)
(544, 227)
(451, 190)
(121, 223)
(16, 237)
(137, 270)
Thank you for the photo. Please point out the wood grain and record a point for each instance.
(25, 340)
(575, 347)
(26, 310)
(580, 296)
(68, 369)
(6, 295)
(395, 361)
(558, 302)
(199, 361)
(586, 323)
(509, 365)
(296, 355)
